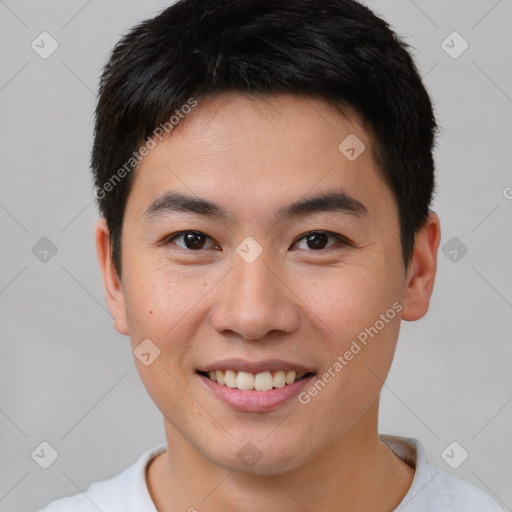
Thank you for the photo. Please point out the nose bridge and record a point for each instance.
(254, 301)
(254, 282)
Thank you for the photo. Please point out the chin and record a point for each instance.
(261, 457)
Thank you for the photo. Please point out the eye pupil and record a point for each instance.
(318, 240)
(193, 240)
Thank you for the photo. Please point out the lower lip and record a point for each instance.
(252, 400)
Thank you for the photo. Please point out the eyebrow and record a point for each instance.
(337, 201)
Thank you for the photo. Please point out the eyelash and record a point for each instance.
(343, 240)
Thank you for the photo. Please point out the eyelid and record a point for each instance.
(344, 240)
(169, 239)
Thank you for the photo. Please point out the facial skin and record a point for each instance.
(295, 303)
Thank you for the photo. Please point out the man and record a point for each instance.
(264, 174)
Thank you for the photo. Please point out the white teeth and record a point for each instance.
(220, 376)
(230, 379)
(279, 379)
(244, 380)
(263, 381)
(290, 377)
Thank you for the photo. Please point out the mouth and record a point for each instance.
(255, 387)
(261, 381)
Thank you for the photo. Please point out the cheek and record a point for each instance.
(158, 297)
(344, 301)
(359, 314)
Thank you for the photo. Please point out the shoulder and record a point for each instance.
(433, 488)
(117, 494)
(450, 493)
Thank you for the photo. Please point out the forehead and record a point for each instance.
(259, 153)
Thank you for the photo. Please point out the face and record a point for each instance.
(255, 252)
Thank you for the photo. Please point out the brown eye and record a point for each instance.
(318, 240)
(192, 240)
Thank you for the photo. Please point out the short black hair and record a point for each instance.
(335, 50)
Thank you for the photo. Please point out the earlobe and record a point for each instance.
(112, 283)
(422, 270)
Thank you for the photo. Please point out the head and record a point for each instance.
(264, 175)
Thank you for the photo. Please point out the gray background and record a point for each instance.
(68, 378)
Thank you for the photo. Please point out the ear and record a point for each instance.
(113, 286)
(422, 270)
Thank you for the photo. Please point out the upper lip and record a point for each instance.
(255, 366)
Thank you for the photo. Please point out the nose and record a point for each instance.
(254, 301)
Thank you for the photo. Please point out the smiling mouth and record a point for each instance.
(262, 381)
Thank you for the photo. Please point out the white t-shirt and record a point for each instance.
(432, 489)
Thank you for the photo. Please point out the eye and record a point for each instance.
(318, 240)
(192, 240)
(197, 241)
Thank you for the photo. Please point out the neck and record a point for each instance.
(356, 473)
